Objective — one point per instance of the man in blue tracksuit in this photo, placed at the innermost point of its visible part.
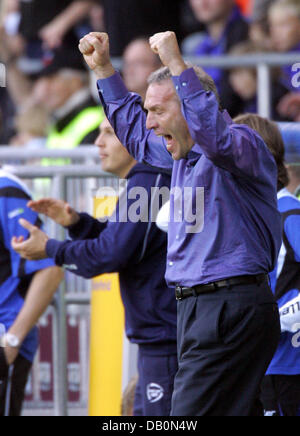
(135, 249)
(26, 289)
(281, 387)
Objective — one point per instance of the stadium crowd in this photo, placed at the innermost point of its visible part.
(48, 84)
(51, 101)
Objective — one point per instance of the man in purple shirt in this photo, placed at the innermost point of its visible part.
(224, 231)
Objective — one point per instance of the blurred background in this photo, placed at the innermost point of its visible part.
(50, 116)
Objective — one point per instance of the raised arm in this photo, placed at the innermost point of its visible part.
(237, 149)
(123, 109)
(43, 275)
(53, 33)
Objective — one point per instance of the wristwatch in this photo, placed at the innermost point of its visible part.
(9, 340)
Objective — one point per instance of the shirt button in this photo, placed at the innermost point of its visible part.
(184, 84)
(177, 237)
(171, 263)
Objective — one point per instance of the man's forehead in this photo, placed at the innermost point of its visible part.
(105, 125)
(159, 93)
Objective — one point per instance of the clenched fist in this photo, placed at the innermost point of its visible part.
(165, 44)
(95, 49)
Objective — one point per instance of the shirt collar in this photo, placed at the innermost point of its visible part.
(284, 193)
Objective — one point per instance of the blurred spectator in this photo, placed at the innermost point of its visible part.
(7, 113)
(190, 24)
(139, 63)
(284, 21)
(30, 30)
(51, 21)
(126, 20)
(31, 126)
(63, 90)
(259, 28)
(244, 82)
(225, 27)
(35, 27)
(289, 106)
(96, 16)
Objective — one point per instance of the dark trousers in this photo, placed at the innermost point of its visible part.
(281, 395)
(226, 341)
(16, 385)
(155, 385)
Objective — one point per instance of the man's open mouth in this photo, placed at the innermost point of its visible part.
(168, 138)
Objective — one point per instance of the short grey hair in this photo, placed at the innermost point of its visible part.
(205, 79)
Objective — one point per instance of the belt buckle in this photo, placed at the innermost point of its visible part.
(179, 293)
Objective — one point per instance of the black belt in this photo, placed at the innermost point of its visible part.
(183, 292)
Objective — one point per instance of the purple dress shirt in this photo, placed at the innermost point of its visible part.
(224, 220)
